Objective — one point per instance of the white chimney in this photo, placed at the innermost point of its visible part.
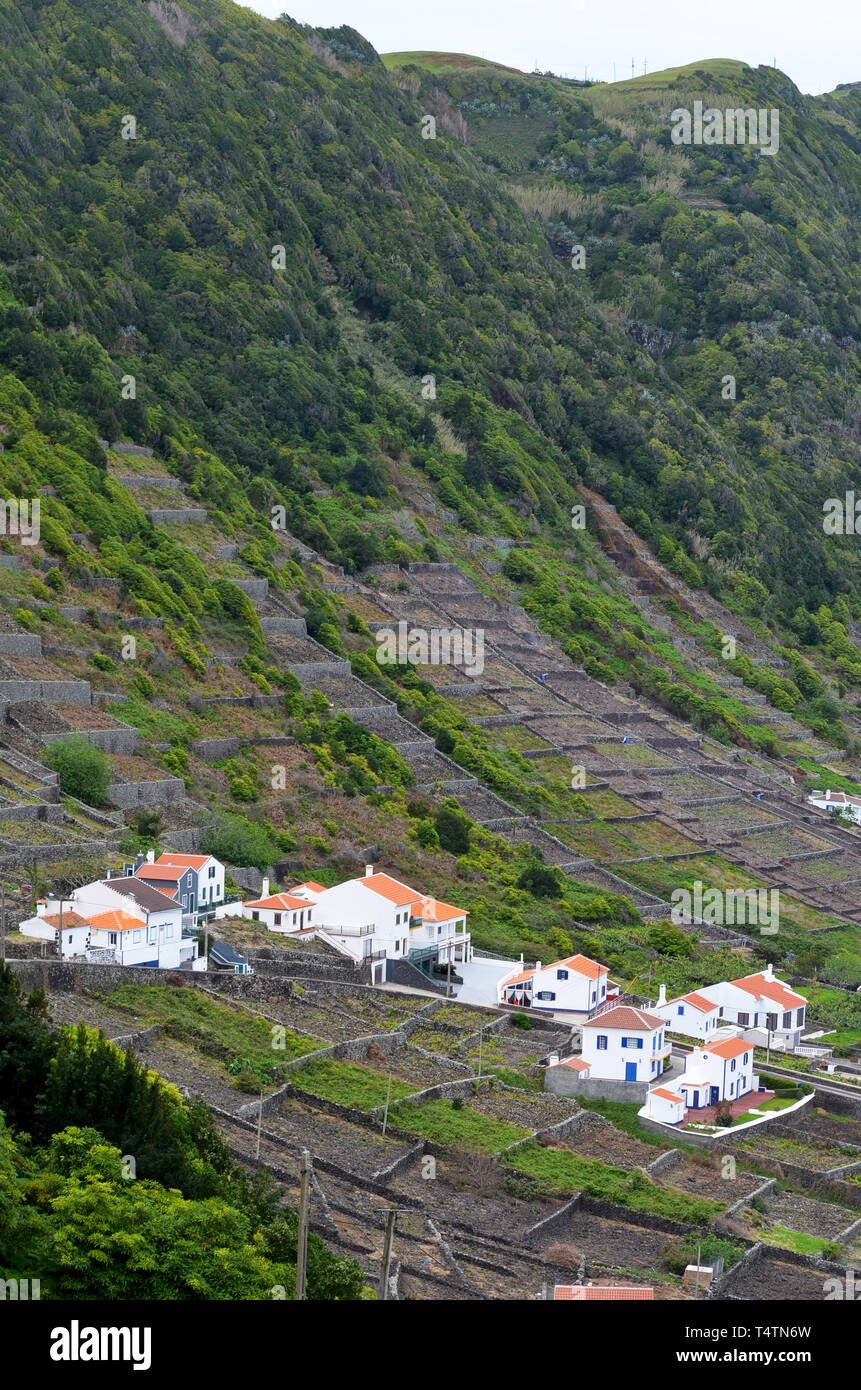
(264, 888)
(41, 907)
(538, 965)
(662, 996)
(369, 870)
(768, 972)
(150, 856)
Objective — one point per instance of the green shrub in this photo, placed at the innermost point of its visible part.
(84, 771)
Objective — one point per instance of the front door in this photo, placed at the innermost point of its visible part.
(630, 1071)
(714, 1096)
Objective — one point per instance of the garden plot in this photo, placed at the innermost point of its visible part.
(411, 1066)
(632, 755)
(829, 869)
(812, 1124)
(472, 1190)
(553, 852)
(462, 1016)
(375, 1011)
(687, 786)
(736, 815)
(787, 841)
(770, 1278)
(354, 1147)
(83, 1008)
(617, 1245)
(793, 1212)
(344, 692)
(458, 1125)
(477, 706)
(502, 1050)
(704, 1180)
(296, 650)
(194, 1073)
(349, 1083)
(389, 725)
(430, 1039)
(518, 737)
(528, 700)
(534, 1111)
(325, 1023)
(610, 1145)
(431, 766)
(817, 1156)
(482, 806)
(606, 804)
(569, 730)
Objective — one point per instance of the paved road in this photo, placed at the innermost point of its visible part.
(480, 978)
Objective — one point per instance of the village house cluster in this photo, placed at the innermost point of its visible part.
(623, 1044)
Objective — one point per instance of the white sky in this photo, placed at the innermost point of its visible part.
(818, 45)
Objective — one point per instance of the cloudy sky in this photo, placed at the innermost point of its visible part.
(818, 45)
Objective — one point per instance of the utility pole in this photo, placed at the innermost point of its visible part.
(388, 1098)
(480, 1041)
(3, 922)
(697, 1280)
(448, 978)
(302, 1234)
(259, 1122)
(391, 1216)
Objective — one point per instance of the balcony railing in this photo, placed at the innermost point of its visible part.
(343, 930)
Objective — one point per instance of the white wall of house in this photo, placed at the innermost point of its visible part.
(73, 939)
(681, 1016)
(664, 1110)
(739, 1006)
(624, 1054)
(709, 1077)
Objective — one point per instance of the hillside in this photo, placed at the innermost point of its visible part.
(232, 319)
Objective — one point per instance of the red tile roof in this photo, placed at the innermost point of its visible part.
(432, 910)
(775, 990)
(699, 1001)
(666, 1095)
(158, 872)
(623, 1016)
(116, 921)
(68, 919)
(577, 1063)
(187, 861)
(280, 902)
(730, 1047)
(581, 965)
(390, 888)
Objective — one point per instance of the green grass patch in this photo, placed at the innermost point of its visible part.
(464, 1128)
(349, 1083)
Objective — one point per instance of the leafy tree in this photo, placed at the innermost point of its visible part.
(84, 770)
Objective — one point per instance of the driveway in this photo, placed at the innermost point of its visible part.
(480, 977)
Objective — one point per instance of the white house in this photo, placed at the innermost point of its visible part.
(760, 1001)
(195, 880)
(280, 912)
(375, 917)
(691, 1014)
(66, 930)
(664, 1105)
(155, 915)
(720, 1070)
(837, 802)
(625, 1044)
(576, 985)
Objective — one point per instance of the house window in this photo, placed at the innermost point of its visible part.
(771, 1021)
(603, 990)
(277, 919)
(602, 1042)
(592, 997)
(680, 1009)
(744, 1020)
(562, 974)
(211, 873)
(799, 1018)
(112, 938)
(545, 994)
(255, 916)
(787, 1020)
(632, 1042)
(169, 933)
(137, 937)
(732, 1065)
(745, 1058)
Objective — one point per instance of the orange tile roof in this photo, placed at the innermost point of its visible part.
(518, 979)
(188, 861)
(280, 902)
(623, 1016)
(390, 888)
(577, 1063)
(666, 1095)
(699, 1001)
(68, 919)
(169, 872)
(315, 887)
(730, 1047)
(432, 910)
(581, 965)
(775, 990)
(116, 921)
